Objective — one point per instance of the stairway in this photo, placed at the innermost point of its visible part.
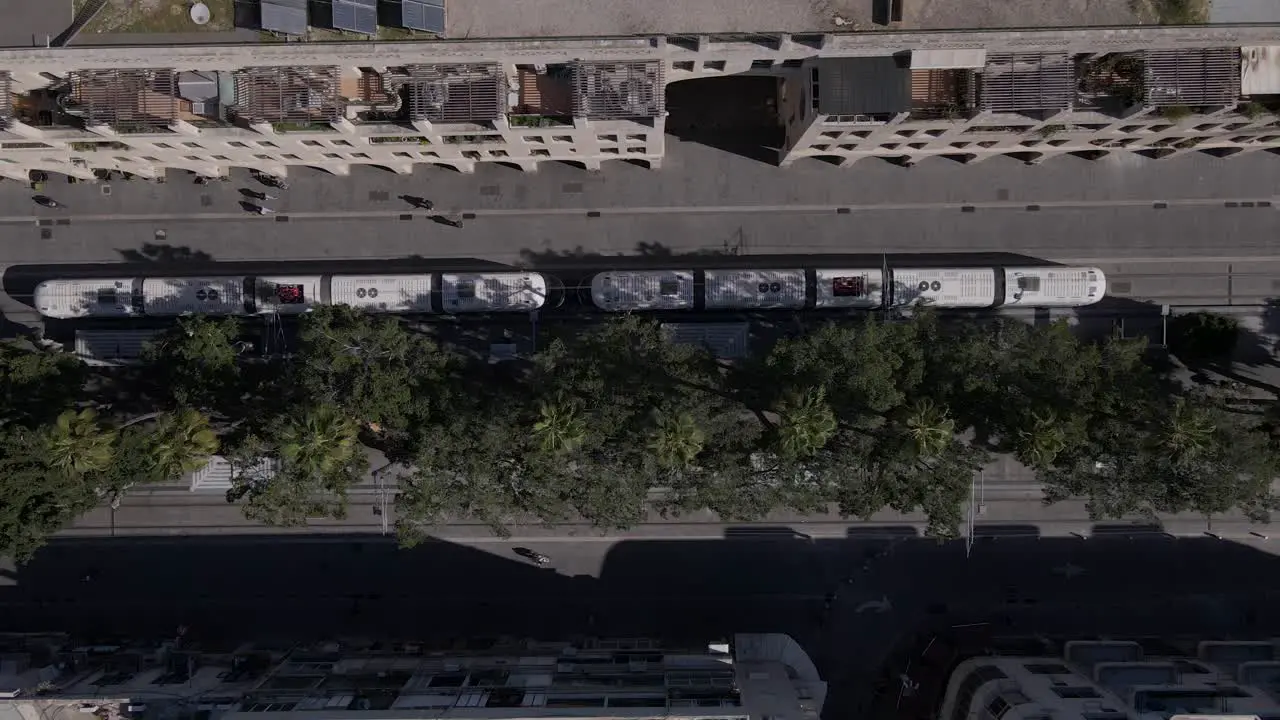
(82, 18)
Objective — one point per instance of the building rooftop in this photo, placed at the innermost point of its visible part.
(566, 18)
(1119, 680)
(862, 86)
(496, 679)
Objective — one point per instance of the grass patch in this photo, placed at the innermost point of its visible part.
(159, 16)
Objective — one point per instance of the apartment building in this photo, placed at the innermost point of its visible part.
(969, 105)
(1119, 680)
(144, 121)
(841, 96)
(756, 677)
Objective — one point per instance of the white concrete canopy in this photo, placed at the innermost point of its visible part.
(948, 59)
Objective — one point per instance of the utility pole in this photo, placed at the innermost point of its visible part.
(384, 497)
(886, 287)
(972, 520)
(1165, 311)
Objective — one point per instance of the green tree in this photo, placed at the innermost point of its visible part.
(474, 472)
(865, 371)
(196, 364)
(559, 428)
(1040, 445)
(78, 443)
(302, 471)
(1187, 453)
(890, 470)
(676, 440)
(1188, 431)
(181, 442)
(318, 441)
(37, 500)
(1203, 336)
(373, 367)
(929, 428)
(36, 385)
(806, 424)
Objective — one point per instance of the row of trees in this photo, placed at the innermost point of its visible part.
(610, 423)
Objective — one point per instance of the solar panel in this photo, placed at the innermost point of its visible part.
(356, 15)
(285, 16)
(425, 15)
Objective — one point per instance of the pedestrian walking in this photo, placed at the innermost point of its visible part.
(418, 202)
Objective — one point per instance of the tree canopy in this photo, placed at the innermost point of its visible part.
(611, 423)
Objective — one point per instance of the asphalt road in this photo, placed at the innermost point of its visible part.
(883, 589)
(554, 238)
(703, 201)
(1192, 230)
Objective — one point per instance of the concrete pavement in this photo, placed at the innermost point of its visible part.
(1007, 505)
(565, 239)
(695, 175)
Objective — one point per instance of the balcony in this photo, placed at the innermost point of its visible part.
(618, 91)
(1034, 84)
(1201, 78)
(6, 101)
(127, 101)
(1112, 84)
(543, 99)
(292, 99)
(473, 93)
(942, 94)
(373, 98)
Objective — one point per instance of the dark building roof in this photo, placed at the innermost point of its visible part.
(862, 86)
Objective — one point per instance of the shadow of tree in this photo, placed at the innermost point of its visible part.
(159, 253)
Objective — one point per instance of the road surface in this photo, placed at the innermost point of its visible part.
(1193, 230)
(1006, 505)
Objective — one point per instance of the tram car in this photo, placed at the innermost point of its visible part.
(490, 292)
(865, 288)
(613, 291)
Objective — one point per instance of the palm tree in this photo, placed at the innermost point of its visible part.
(181, 442)
(559, 429)
(930, 428)
(676, 440)
(1044, 441)
(806, 424)
(319, 441)
(78, 444)
(1188, 431)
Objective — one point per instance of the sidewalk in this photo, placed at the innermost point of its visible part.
(139, 517)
